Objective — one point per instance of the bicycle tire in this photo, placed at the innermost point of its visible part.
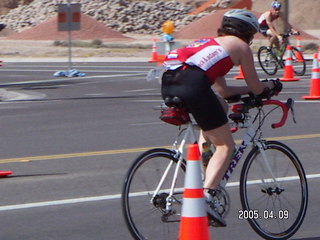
(284, 208)
(298, 62)
(267, 60)
(144, 218)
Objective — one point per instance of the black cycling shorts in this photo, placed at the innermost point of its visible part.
(193, 87)
(263, 29)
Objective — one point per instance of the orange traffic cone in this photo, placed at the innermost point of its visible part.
(240, 75)
(161, 59)
(299, 47)
(5, 173)
(315, 80)
(298, 56)
(319, 60)
(154, 53)
(288, 68)
(194, 220)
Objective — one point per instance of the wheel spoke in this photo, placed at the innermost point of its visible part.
(149, 217)
(281, 199)
(267, 61)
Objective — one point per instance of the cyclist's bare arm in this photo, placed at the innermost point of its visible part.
(240, 54)
(225, 91)
(270, 25)
(245, 59)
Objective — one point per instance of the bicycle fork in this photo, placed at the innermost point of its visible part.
(265, 169)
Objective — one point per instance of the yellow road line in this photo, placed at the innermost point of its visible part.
(73, 155)
(128, 150)
(296, 137)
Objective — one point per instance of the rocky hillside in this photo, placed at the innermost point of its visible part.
(7, 5)
(135, 16)
(122, 15)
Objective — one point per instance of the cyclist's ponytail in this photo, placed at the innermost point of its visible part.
(245, 36)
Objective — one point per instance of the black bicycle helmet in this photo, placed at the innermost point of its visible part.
(242, 20)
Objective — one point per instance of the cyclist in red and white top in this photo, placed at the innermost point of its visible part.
(267, 27)
(193, 70)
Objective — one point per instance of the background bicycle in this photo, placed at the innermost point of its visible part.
(270, 59)
(272, 183)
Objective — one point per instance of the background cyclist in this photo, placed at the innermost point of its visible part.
(192, 70)
(267, 27)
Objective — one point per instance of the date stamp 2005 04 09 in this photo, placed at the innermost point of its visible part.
(265, 214)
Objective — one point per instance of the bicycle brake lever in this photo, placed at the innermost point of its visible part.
(290, 104)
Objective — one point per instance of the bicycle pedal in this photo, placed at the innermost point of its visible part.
(213, 223)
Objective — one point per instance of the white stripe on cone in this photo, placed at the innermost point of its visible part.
(194, 207)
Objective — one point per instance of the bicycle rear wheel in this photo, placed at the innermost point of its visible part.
(146, 217)
(267, 60)
(275, 206)
(298, 62)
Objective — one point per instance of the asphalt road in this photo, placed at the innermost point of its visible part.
(70, 141)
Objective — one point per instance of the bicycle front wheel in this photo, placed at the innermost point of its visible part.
(267, 60)
(146, 213)
(298, 62)
(273, 191)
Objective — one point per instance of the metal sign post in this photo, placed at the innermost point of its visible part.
(69, 17)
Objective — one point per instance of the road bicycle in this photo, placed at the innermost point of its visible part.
(270, 59)
(273, 186)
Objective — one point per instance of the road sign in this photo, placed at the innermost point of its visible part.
(69, 17)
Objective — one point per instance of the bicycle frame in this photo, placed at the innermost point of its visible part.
(189, 134)
(283, 46)
(250, 137)
(247, 139)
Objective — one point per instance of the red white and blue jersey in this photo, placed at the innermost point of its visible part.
(204, 53)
